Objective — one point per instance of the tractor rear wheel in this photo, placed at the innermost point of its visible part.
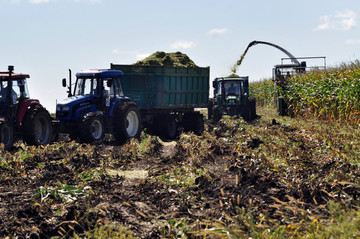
(36, 126)
(127, 122)
(93, 129)
(6, 135)
(210, 108)
(217, 113)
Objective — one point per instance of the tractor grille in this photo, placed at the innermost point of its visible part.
(62, 114)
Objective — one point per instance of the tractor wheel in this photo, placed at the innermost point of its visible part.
(210, 108)
(127, 122)
(93, 129)
(216, 113)
(36, 126)
(6, 135)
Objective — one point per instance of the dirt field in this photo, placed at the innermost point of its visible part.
(273, 176)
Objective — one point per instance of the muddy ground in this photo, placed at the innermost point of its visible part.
(212, 185)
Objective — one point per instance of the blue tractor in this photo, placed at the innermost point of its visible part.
(97, 106)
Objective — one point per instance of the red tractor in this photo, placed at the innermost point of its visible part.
(20, 116)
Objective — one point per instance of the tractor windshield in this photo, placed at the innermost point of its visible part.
(96, 86)
(232, 88)
(87, 86)
(18, 89)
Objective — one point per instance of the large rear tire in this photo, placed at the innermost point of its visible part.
(93, 129)
(36, 126)
(127, 122)
(217, 113)
(6, 135)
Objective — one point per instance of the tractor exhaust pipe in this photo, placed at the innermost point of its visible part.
(9, 86)
(69, 95)
(69, 87)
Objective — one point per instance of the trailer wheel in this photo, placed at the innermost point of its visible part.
(127, 122)
(92, 129)
(36, 126)
(170, 129)
(194, 122)
(6, 135)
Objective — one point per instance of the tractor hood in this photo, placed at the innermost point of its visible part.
(73, 100)
(73, 107)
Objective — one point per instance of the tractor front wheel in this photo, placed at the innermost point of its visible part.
(92, 129)
(6, 135)
(36, 126)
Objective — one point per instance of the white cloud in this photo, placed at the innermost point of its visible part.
(219, 31)
(183, 44)
(344, 20)
(353, 41)
(116, 51)
(138, 56)
(39, 1)
(47, 1)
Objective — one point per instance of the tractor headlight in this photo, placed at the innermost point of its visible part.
(62, 108)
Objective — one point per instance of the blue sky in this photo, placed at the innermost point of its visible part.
(45, 38)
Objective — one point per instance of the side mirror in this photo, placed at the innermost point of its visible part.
(64, 82)
(109, 82)
(214, 84)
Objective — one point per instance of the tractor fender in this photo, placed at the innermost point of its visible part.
(24, 106)
(116, 103)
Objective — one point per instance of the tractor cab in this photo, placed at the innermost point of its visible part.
(13, 91)
(231, 91)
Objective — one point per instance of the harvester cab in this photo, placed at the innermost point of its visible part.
(97, 106)
(20, 116)
(231, 97)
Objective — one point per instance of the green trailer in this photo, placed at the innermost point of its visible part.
(167, 96)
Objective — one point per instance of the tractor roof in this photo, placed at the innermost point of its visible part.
(232, 78)
(4, 75)
(99, 73)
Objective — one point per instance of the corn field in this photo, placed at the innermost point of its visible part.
(263, 91)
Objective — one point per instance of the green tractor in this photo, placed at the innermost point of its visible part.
(231, 97)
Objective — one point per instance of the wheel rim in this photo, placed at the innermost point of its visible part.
(132, 124)
(41, 130)
(96, 129)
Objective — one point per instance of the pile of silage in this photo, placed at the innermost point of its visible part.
(161, 58)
